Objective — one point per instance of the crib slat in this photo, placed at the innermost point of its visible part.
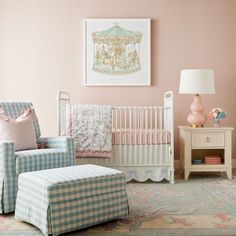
(146, 137)
(135, 133)
(155, 156)
(151, 136)
(141, 135)
(160, 135)
(130, 136)
(121, 151)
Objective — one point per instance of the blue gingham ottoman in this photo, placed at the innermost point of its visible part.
(70, 198)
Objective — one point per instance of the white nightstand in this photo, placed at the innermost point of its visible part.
(196, 143)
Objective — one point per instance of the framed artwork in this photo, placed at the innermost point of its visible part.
(117, 52)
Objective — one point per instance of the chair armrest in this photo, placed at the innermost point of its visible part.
(63, 142)
(7, 158)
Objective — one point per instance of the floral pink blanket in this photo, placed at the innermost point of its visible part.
(90, 126)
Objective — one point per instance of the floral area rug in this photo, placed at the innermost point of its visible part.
(201, 206)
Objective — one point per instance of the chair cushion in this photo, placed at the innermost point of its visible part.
(40, 159)
(20, 131)
(15, 109)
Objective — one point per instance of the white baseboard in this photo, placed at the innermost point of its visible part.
(177, 164)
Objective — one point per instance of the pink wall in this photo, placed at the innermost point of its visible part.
(41, 45)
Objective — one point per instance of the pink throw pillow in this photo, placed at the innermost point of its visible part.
(20, 131)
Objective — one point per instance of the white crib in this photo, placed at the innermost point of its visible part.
(142, 138)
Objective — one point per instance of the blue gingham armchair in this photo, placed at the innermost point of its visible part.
(57, 152)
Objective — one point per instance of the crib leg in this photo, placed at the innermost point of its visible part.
(172, 176)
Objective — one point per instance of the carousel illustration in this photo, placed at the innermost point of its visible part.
(116, 51)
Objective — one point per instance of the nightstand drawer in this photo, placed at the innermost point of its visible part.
(208, 139)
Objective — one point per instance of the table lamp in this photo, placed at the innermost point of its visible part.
(197, 82)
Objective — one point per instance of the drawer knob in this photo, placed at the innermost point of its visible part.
(208, 139)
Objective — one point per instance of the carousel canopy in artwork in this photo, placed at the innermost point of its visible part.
(116, 51)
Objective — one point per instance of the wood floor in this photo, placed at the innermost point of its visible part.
(179, 174)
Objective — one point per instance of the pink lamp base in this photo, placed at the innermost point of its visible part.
(197, 118)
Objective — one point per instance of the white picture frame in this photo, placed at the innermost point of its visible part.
(117, 52)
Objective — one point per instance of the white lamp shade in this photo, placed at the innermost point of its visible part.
(197, 82)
